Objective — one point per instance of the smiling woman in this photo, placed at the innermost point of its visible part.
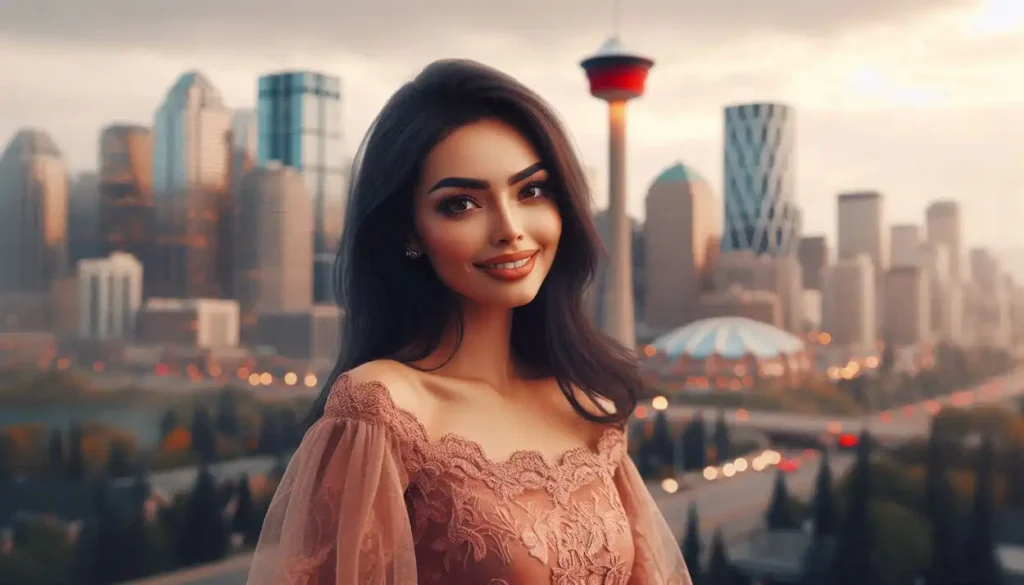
(472, 429)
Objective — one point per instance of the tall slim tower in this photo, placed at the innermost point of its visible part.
(617, 76)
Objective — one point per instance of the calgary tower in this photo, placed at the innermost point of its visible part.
(617, 76)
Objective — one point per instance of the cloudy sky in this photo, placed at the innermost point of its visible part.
(920, 99)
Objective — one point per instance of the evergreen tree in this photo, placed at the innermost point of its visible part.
(55, 452)
(661, 440)
(824, 500)
(852, 564)
(168, 422)
(719, 570)
(939, 505)
(6, 458)
(271, 439)
(291, 428)
(205, 535)
(691, 545)
(103, 547)
(1015, 478)
(227, 414)
(204, 439)
(721, 440)
(76, 460)
(779, 515)
(695, 453)
(245, 521)
(137, 546)
(118, 459)
(981, 563)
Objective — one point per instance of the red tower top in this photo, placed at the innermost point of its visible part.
(616, 74)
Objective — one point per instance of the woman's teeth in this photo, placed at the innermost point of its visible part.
(510, 265)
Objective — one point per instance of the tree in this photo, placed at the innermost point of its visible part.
(76, 460)
(204, 439)
(723, 445)
(939, 506)
(6, 458)
(661, 440)
(719, 570)
(100, 551)
(118, 459)
(824, 500)
(981, 563)
(695, 454)
(246, 521)
(227, 414)
(137, 546)
(55, 452)
(779, 515)
(271, 439)
(852, 564)
(168, 422)
(1015, 478)
(691, 545)
(205, 535)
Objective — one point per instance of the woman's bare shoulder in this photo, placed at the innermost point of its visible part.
(399, 382)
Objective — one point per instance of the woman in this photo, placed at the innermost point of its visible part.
(472, 430)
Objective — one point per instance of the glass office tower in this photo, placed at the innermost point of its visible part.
(300, 126)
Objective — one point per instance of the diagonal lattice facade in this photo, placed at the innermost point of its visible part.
(760, 209)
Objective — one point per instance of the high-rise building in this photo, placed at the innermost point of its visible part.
(206, 323)
(191, 152)
(907, 306)
(109, 296)
(760, 176)
(943, 226)
(682, 235)
(848, 312)
(904, 245)
(814, 256)
(127, 217)
(33, 214)
(273, 257)
(83, 217)
(944, 295)
(300, 126)
(861, 230)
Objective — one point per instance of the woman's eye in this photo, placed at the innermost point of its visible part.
(534, 191)
(457, 205)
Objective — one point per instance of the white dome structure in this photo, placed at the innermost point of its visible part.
(726, 353)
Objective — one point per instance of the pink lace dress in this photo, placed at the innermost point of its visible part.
(369, 499)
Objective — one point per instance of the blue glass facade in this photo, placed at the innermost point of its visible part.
(300, 125)
(760, 209)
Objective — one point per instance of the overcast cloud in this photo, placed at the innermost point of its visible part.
(921, 99)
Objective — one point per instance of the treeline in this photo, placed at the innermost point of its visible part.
(661, 451)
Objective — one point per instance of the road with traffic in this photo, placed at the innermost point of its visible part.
(905, 422)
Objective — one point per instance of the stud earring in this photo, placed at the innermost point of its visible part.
(411, 254)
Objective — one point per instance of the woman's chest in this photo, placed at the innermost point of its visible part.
(508, 524)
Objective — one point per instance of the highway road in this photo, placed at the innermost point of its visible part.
(900, 423)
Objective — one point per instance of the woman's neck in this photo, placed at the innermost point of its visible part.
(484, 352)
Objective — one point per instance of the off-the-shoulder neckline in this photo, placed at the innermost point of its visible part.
(608, 439)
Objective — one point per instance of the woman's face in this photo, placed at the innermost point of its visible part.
(484, 215)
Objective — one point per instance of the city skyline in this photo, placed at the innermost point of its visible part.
(922, 127)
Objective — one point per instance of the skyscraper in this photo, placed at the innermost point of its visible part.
(760, 208)
(861, 218)
(813, 254)
(127, 218)
(682, 235)
(33, 214)
(300, 126)
(943, 227)
(191, 151)
(905, 245)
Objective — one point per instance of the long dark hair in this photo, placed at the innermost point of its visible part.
(390, 302)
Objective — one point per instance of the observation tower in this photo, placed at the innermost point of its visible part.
(617, 76)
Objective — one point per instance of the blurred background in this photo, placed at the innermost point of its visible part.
(820, 217)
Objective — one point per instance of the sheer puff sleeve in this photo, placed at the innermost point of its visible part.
(657, 559)
(339, 516)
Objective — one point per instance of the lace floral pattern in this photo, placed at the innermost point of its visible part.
(518, 521)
